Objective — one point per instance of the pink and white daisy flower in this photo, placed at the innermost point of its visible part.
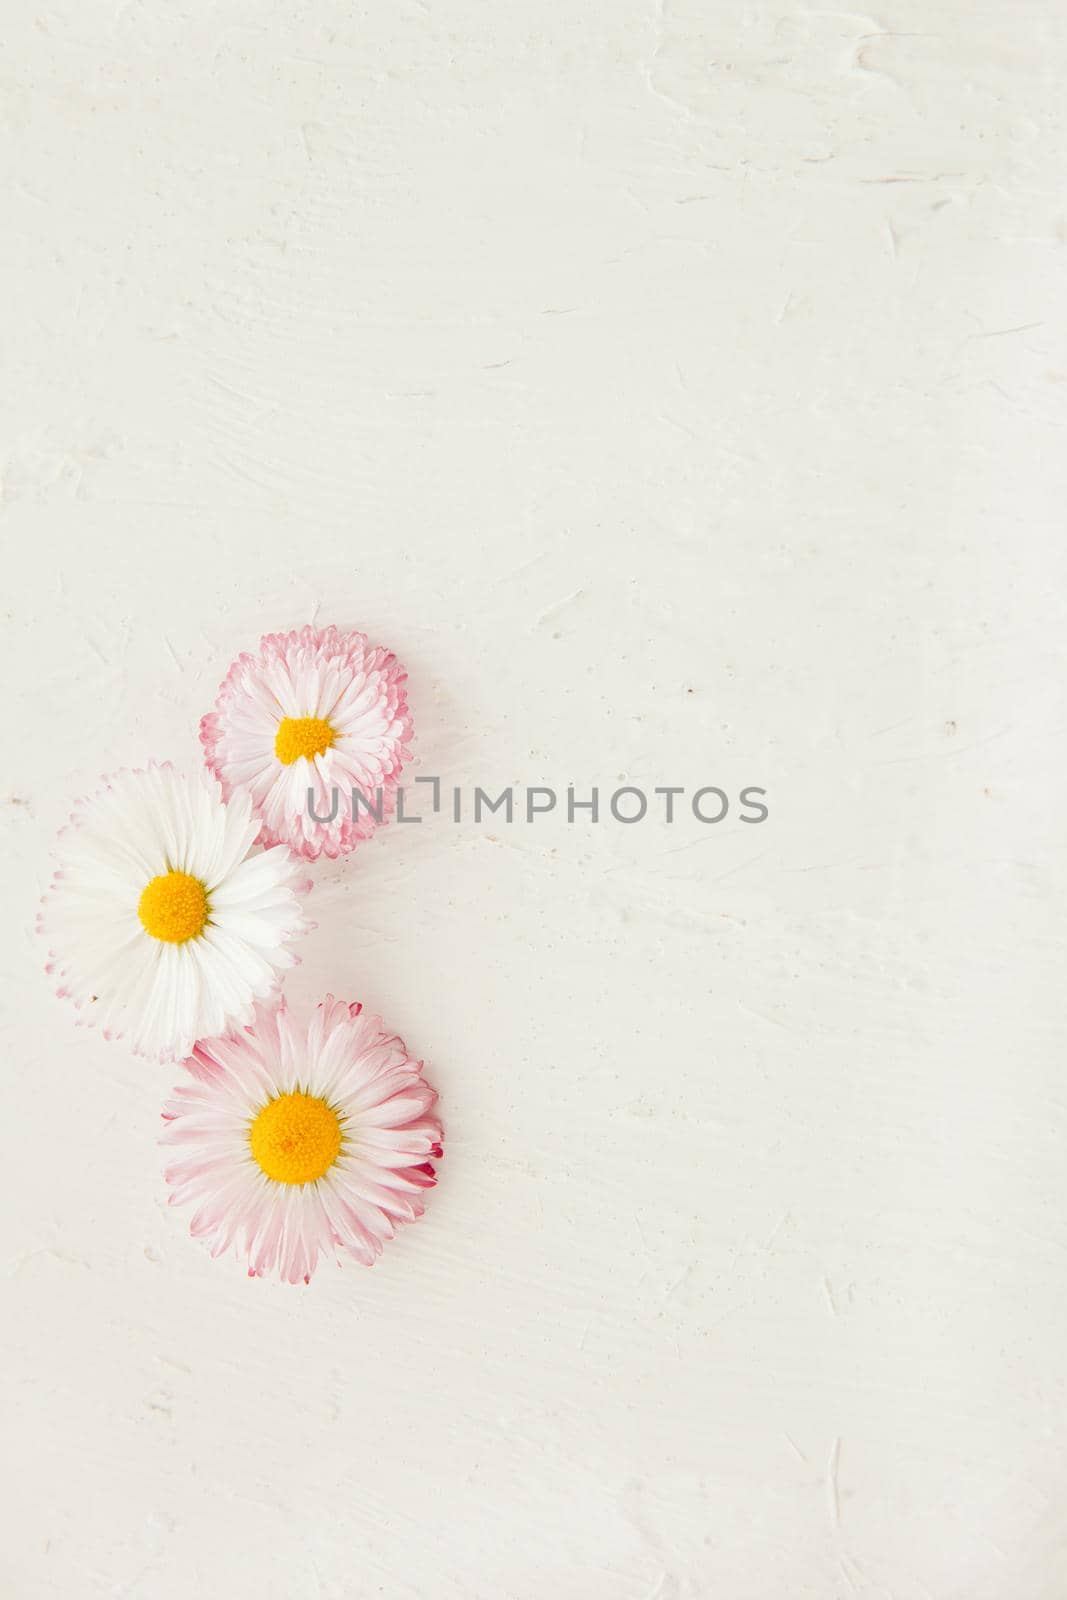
(315, 710)
(161, 924)
(300, 1142)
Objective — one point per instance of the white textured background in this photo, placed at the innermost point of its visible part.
(679, 389)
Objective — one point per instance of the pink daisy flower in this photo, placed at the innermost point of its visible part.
(295, 1143)
(314, 710)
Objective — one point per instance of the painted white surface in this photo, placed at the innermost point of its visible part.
(679, 389)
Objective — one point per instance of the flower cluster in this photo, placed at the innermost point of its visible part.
(170, 919)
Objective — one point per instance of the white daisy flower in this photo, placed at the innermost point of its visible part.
(162, 927)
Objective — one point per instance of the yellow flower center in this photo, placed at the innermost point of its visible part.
(173, 907)
(296, 1138)
(302, 736)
